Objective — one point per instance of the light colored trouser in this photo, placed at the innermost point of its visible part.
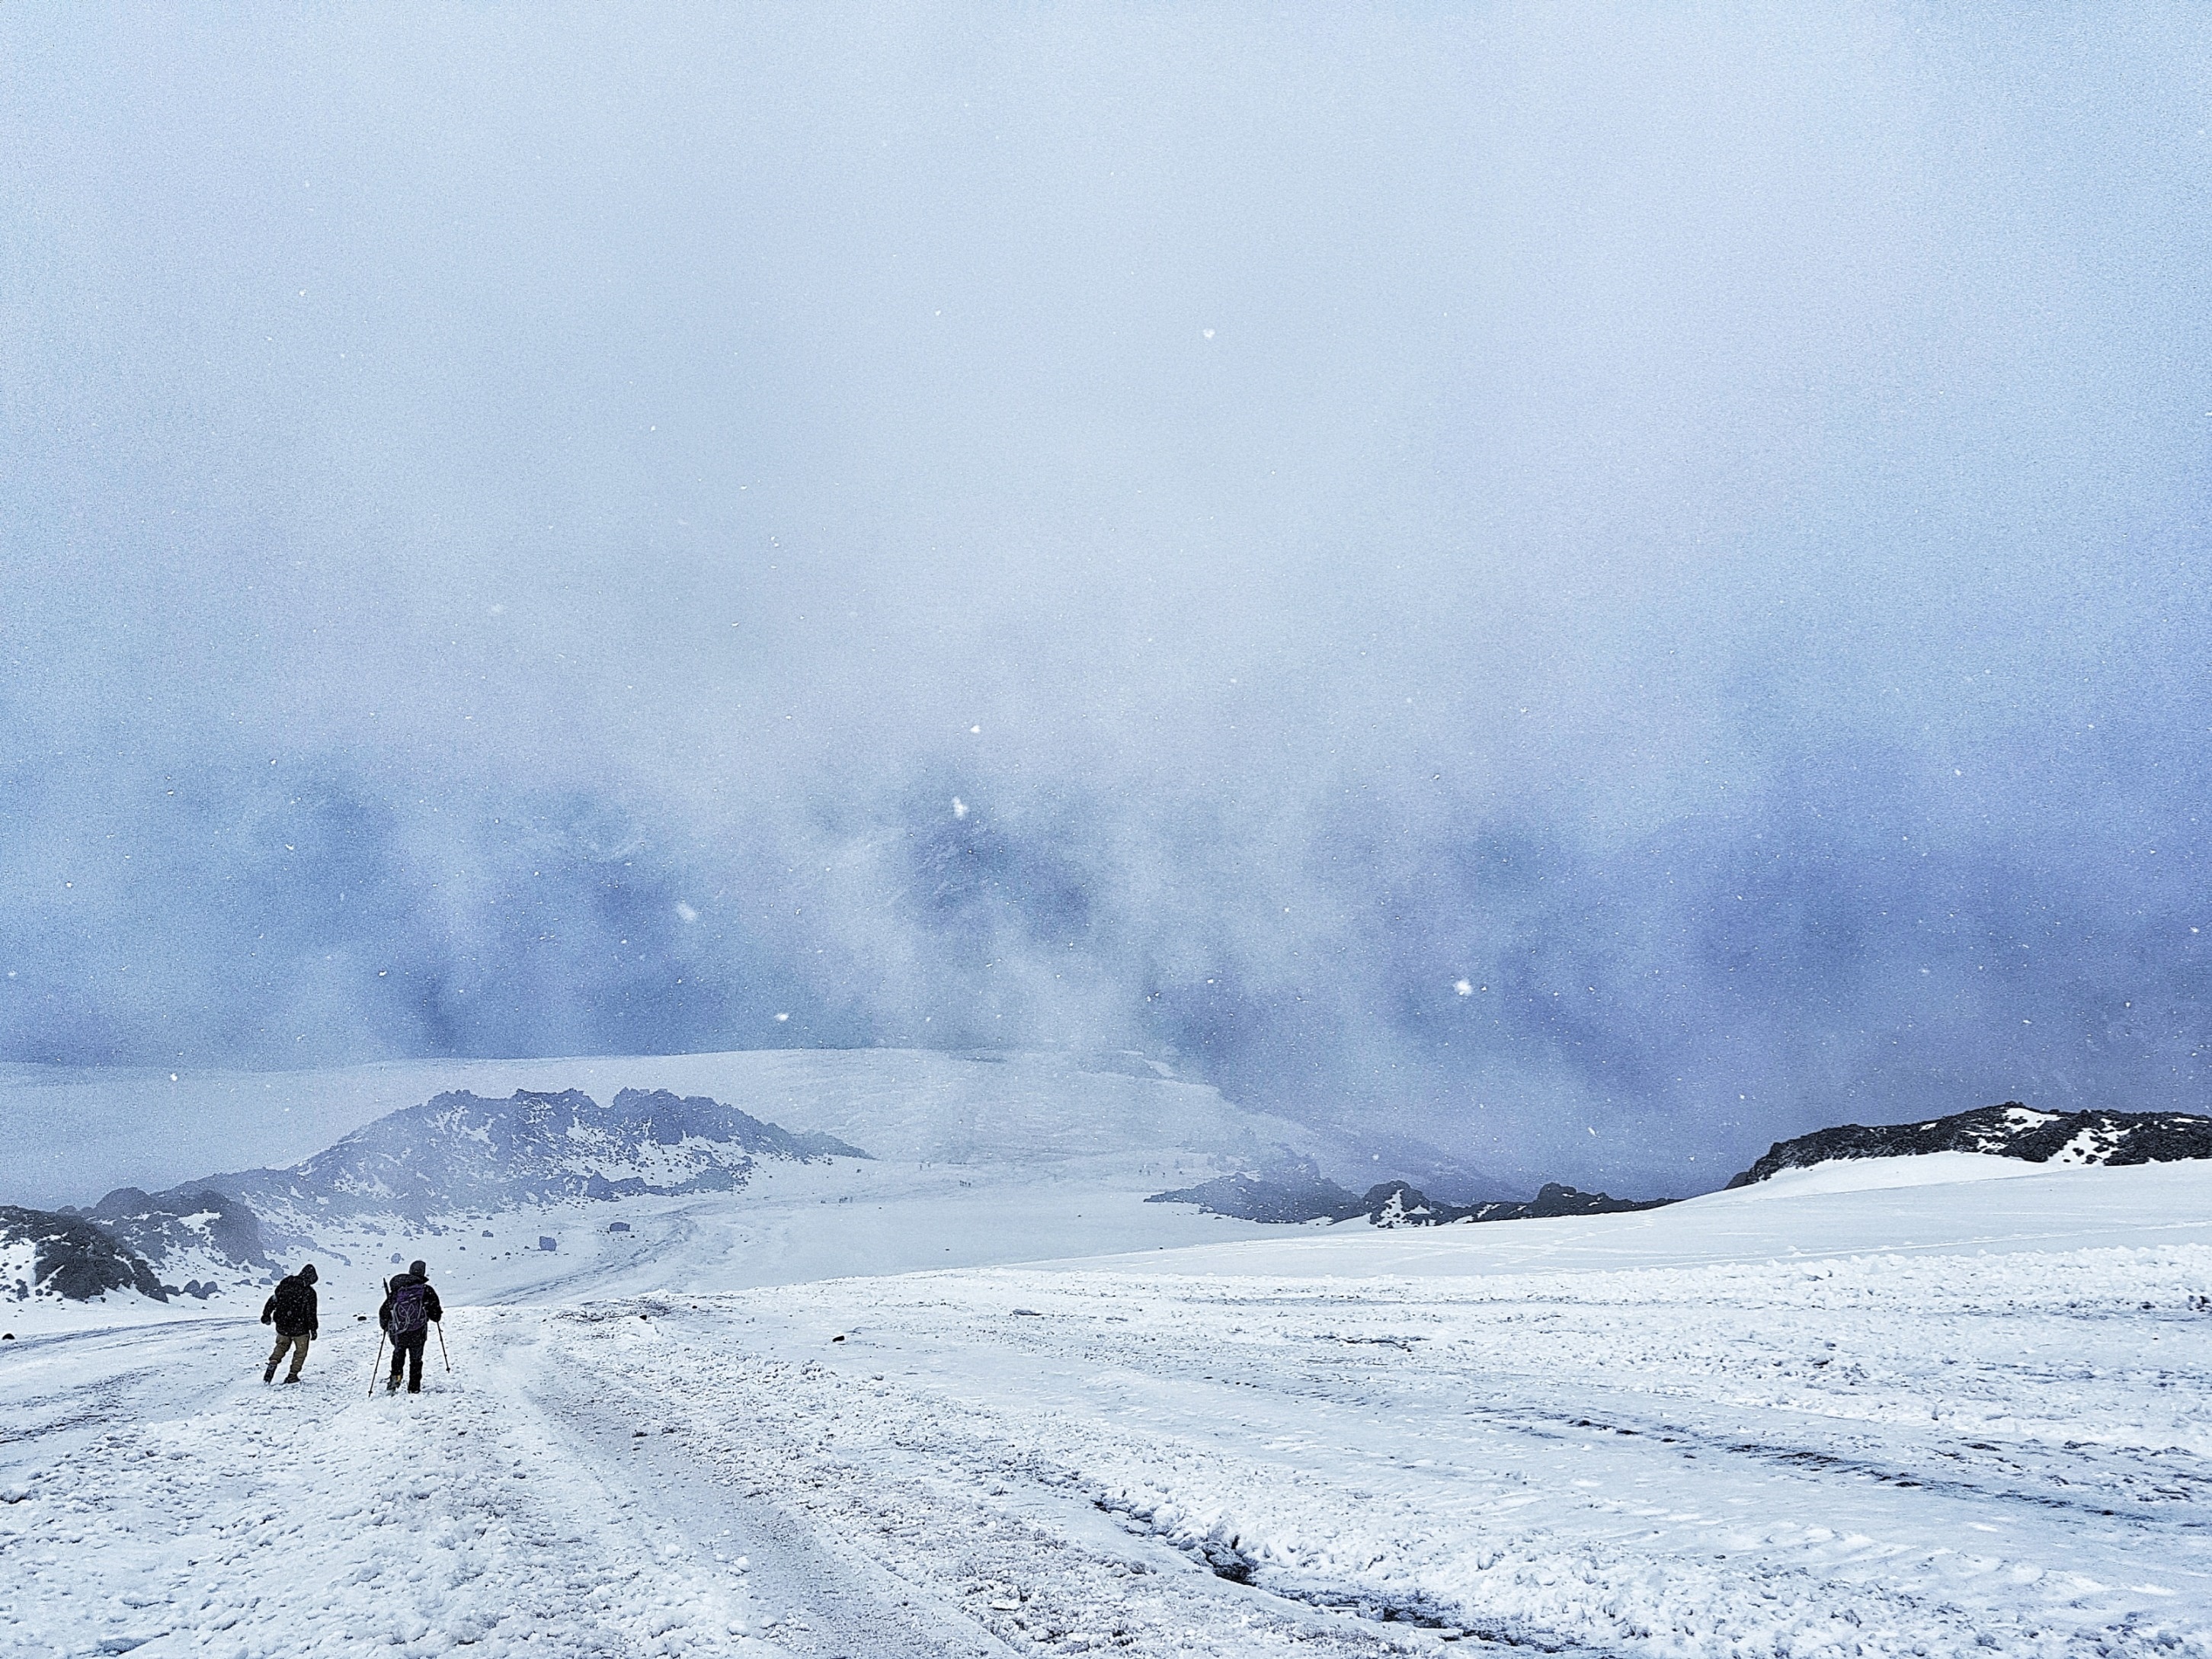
(298, 1344)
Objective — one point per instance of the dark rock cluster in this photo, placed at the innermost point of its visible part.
(73, 1258)
(2010, 1130)
(1306, 1196)
(1293, 1192)
(157, 1225)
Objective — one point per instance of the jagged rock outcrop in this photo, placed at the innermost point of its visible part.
(2010, 1130)
(44, 1253)
(192, 1225)
(1387, 1204)
(1395, 1204)
(1293, 1193)
(1554, 1199)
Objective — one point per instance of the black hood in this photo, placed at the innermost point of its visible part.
(307, 1275)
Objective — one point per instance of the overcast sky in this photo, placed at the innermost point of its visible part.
(1596, 584)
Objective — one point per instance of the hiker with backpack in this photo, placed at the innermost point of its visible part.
(291, 1310)
(410, 1306)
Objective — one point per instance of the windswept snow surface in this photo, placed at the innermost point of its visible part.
(1941, 1419)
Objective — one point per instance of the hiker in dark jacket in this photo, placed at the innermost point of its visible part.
(409, 1305)
(291, 1310)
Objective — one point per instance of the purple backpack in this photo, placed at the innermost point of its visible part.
(407, 1309)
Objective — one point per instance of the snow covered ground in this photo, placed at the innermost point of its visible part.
(1857, 1413)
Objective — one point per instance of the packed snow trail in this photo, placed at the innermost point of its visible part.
(201, 1512)
(160, 1499)
(957, 1542)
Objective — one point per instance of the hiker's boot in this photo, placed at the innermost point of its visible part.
(269, 1376)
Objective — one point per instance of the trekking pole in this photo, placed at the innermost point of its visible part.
(376, 1365)
(440, 1326)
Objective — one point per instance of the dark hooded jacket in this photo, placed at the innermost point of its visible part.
(291, 1307)
(430, 1309)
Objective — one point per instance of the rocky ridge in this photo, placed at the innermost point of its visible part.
(2010, 1130)
(457, 1152)
(1301, 1194)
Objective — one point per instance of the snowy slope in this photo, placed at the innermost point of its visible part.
(1887, 1207)
(75, 1134)
(1933, 1419)
(974, 1159)
(791, 1224)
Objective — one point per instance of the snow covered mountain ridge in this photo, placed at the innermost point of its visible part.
(457, 1152)
(2010, 1130)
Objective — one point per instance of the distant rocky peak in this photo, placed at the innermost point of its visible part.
(461, 1151)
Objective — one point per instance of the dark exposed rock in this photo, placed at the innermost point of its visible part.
(158, 1225)
(1387, 1204)
(1436, 1172)
(1295, 1192)
(2011, 1130)
(74, 1258)
(1554, 1199)
(1395, 1204)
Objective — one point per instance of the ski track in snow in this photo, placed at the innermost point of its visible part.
(220, 1516)
(1869, 1454)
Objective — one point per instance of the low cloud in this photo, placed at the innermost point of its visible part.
(1594, 589)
